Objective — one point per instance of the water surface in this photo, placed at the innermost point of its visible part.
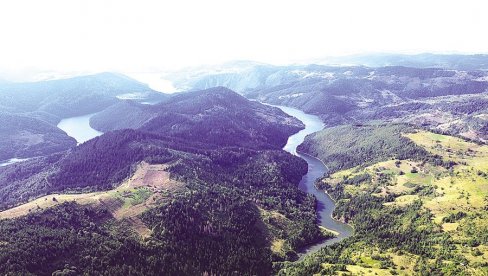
(79, 128)
(76, 127)
(316, 169)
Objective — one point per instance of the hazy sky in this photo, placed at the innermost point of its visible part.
(97, 35)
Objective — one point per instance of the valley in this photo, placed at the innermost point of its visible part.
(243, 138)
(450, 99)
(350, 170)
(316, 169)
(31, 111)
(218, 185)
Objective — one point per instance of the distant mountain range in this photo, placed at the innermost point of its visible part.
(425, 60)
(73, 96)
(448, 99)
(442, 92)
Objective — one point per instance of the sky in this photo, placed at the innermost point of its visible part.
(152, 36)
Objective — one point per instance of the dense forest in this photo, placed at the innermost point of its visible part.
(221, 197)
(241, 197)
(216, 116)
(233, 125)
(227, 189)
(192, 235)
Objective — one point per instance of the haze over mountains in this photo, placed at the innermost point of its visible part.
(424, 60)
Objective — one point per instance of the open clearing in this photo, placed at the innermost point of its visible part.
(149, 186)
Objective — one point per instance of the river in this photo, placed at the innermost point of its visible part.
(316, 169)
(79, 128)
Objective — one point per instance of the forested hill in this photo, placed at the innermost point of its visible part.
(215, 116)
(23, 136)
(239, 211)
(362, 145)
(213, 119)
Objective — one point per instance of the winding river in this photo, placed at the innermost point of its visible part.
(316, 169)
(79, 128)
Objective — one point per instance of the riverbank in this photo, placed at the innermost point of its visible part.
(316, 169)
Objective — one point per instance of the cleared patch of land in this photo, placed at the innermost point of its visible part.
(149, 186)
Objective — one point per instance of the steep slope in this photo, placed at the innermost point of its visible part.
(221, 211)
(122, 115)
(192, 122)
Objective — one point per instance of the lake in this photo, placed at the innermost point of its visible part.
(79, 128)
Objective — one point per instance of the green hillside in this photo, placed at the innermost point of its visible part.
(410, 216)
